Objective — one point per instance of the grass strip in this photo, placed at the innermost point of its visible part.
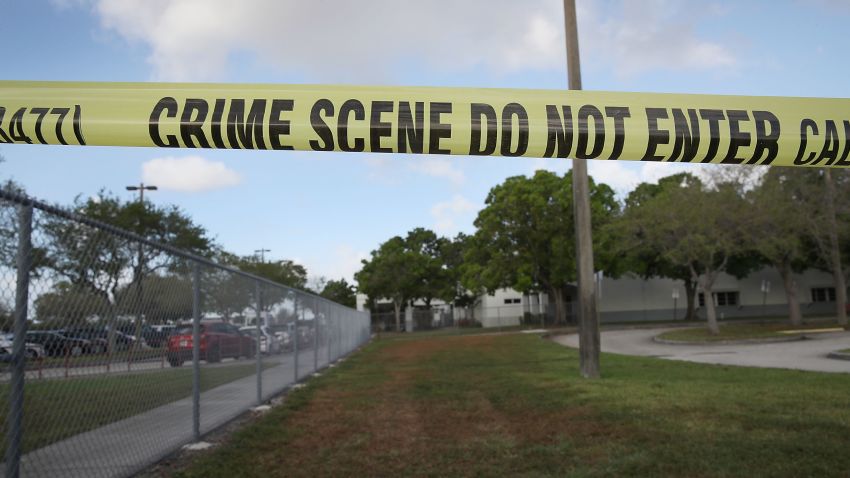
(514, 405)
(59, 408)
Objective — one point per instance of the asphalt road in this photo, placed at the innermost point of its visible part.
(810, 354)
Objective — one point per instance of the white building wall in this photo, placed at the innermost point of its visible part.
(630, 298)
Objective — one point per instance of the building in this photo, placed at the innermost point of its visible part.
(632, 299)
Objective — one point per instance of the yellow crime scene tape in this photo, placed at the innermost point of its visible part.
(467, 121)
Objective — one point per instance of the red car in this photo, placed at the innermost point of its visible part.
(218, 340)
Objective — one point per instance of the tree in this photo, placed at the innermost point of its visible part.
(697, 227)
(284, 272)
(525, 235)
(69, 305)
(97, 262)
(776, 228)
(341, 292)
(166, 298)
(387, 275)
(427, 268)
(637, 252)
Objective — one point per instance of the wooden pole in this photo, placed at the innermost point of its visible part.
(587, 314)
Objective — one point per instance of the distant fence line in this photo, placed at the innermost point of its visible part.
(106, 369)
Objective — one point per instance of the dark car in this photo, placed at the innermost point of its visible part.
(57, 345)
(156, 336)
(99, 339)
(218, 340)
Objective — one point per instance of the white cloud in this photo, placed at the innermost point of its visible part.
(624, 176)
(438, 168)
(636, 37)
(342, 263)
(188, 174)
(348, 41)
(448, 214)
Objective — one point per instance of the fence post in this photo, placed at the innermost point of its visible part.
(339, 340)
(316, 335)
(329, 336)
(259, 353)
(295, 343)
(15, 422)
(196, 351)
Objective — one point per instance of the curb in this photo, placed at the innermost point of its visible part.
(838, 355)
(766, 340)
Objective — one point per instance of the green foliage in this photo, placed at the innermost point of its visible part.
(161, 298)
(525, 235)
(418, 266)
(96, 261)
(341, 292)
(387, 273)
(284, 271)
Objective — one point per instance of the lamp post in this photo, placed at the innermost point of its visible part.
(765, 288)
(141, 188)
(262, 253)
(675, 302)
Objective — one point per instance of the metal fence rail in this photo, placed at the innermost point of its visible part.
(117, 350)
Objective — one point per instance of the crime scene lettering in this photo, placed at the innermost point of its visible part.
(560, 131)
(825, 147)
(246, 125)
(378, 121)
(753, 136)
(22, 124)
(495, 126)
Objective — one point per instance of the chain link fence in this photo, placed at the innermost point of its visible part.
(117, 350)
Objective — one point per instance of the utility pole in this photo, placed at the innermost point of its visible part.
(587, 316)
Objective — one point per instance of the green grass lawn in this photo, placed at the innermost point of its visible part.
(58, 408)
(513, 405)
(743, 332)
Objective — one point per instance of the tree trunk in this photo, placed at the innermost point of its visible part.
(397, 307)
(691, 293)
(790, 293)
(835, 252)
(560, 309)
(711, 312)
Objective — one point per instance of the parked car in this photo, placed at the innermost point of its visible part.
(269, 342)
(305, 337)
(33, 350)
(57, 345)
(99, 338)
(218, 340)
(284, 336)
(156, 335)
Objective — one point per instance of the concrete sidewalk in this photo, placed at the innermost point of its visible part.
(810, 354)
(128, 446)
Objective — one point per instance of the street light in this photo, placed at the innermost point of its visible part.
(141, 188)
(675, 301)
(765, 289)
(262, 253)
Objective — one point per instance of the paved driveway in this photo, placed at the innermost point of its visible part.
(800, 355)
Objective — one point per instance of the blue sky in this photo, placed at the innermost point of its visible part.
(329, 210)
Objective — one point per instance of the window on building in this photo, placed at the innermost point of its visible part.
(725, 298)
(823, 294)
(513, 301)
